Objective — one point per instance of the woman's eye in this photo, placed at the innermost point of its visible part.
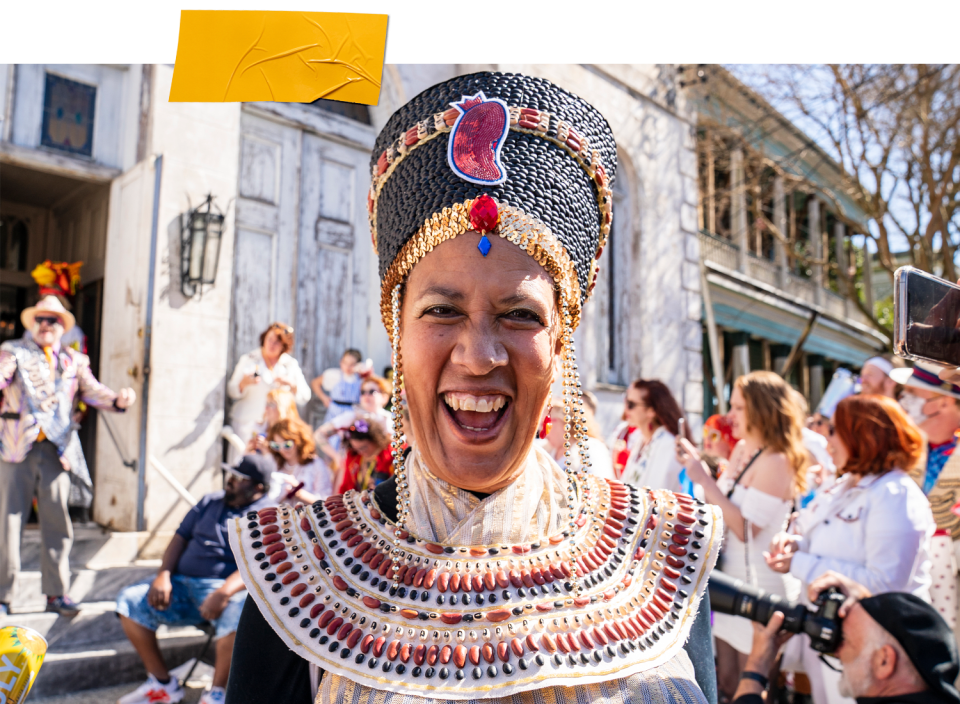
(524, 315)
(440, 311)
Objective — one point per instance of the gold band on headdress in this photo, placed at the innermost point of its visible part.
(515, 226)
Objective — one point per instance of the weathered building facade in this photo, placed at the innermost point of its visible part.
(111, 177)
(781, 245)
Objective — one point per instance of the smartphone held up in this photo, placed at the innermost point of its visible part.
(926, 317)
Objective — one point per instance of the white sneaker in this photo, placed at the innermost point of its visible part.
(152, 692)
(214, 695)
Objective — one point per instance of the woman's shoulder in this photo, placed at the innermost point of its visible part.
(896, 483)
(288, 360)
(773, 475)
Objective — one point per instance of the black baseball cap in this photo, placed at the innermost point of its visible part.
(924, 636)
(256, 467)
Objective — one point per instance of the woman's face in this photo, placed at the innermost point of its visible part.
(479, 340)
(364, 448)
(348, 364)
(287, 449)
(272, 344)
(637, 413)
(838, 451)
(715, 444)
(738, 414)
(372, 399)
(555, 436)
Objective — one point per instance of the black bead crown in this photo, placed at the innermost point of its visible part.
(546, 179)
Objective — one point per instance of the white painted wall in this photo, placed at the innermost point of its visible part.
(199, 143)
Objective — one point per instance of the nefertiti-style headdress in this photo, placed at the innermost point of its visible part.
(545, 157)
(521, 161)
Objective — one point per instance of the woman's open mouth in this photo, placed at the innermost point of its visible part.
(476, 417)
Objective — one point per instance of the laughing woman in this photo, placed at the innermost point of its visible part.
(481, 570)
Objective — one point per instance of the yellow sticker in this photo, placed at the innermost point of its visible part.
(239, 56)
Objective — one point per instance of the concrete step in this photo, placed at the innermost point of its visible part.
(93, 547)
(85, 584)
(91, 650)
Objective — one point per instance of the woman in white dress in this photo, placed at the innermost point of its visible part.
(767, 470)
(257, 372)
(656, 413)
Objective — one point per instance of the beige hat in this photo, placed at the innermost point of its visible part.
(48, 304)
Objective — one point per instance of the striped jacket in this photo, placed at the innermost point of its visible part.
(35, 400)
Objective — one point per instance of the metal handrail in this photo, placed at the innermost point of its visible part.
(172, 481)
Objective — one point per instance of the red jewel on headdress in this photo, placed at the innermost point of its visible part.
(484, 218)
(484, 214)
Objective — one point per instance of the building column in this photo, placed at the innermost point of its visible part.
(740, 352)
(780, 221)
(815, 365)
(839, 237)
(816, 246)
(867, 276)
(738, 208)
(780, 354)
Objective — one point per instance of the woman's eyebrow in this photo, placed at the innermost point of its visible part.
(442, 291)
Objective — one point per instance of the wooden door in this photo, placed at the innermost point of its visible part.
(334, 280)
(266, 240)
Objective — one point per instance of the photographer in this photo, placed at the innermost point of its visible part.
(896, 649)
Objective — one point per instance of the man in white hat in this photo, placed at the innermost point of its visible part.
(39, 449)
(875, 376)
(934, 405)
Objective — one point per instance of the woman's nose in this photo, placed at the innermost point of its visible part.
(479, 350)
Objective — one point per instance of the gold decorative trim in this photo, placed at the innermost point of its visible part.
(515, 226)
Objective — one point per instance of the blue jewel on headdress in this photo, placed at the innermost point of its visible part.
(484, 245)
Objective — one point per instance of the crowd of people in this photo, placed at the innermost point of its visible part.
(862, 488)
(445, 538)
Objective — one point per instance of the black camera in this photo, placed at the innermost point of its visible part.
(822, 624)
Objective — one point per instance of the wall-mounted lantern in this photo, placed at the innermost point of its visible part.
(200, 247)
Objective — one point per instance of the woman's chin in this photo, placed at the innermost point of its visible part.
(480, 460)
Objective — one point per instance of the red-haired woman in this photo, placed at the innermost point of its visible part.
(874, 525)
(306, 477)
(651, 408)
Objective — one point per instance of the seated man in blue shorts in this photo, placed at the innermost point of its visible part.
(198, 581)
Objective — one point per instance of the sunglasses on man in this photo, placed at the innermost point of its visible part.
(285, 445)
(47, 320)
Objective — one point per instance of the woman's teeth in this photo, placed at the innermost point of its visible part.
(479, 404)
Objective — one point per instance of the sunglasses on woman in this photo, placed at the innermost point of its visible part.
(285, 445)
(821, 422)
(712, 434)
(369, 392)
